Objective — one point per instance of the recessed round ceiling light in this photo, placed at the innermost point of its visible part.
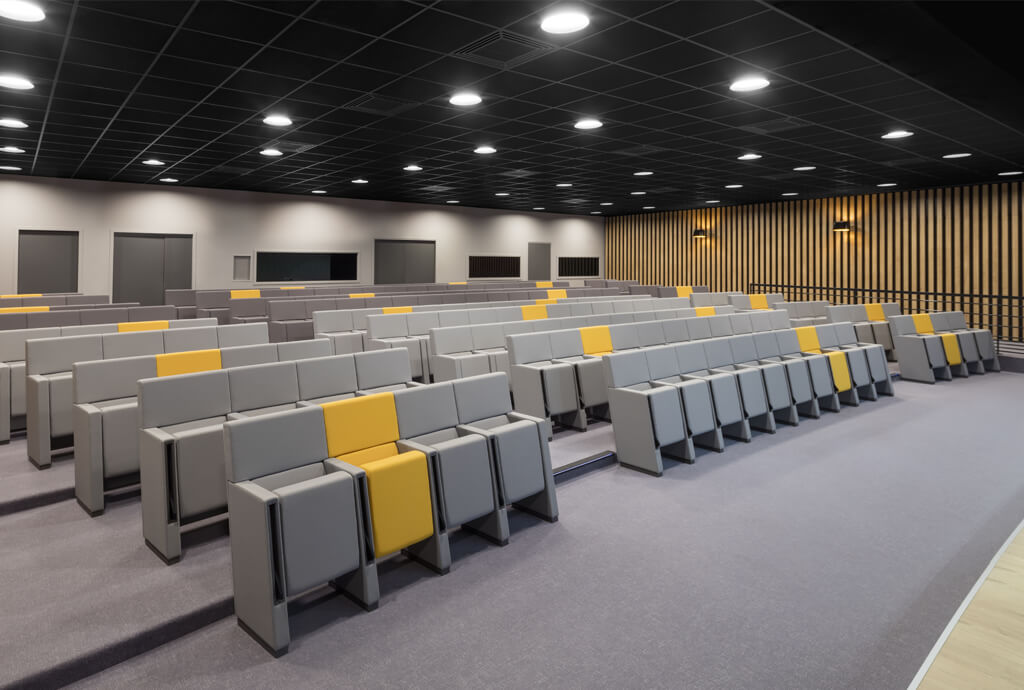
(637, 193)
(733, 186)
(957, 155)
(14, 81)
(538, 208)
(11, 168)
(790, 193)
(564, 21)
(606, 203)
(412, 168)
(897, 134)
(452, 201)
(485, 149)
(465, 98)
(12, 123)
(648, 208)
(588, 123)
(277, 120)
(501, 194)
(886, 184)
(168, 179)
(270, 152)
(318, 191)
(748, 157)
(595, 213)
(21, 11)
(805, 168)
(359, 180)
(564, 184)
(642, 173)
(752, 83)
(1011, 172)
(12, 149)
(713, 201)
(152, 161)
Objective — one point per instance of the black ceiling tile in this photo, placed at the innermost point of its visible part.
(559, 65)
(356, 78)
(694, 17)
(496, 14)
(221, 18)
(750, 32)
(105, 27)
(622, 41)
(110, 57)
(219, 51)
(455, 73)
(670, 58)
(393, 58)
(439, 31)
(372, 17)
(289, 64)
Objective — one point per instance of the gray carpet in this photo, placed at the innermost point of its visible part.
(23, 486)
(568, 446)
(827, 556)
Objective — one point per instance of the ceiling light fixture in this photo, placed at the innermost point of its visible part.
(538, 208)
(485, 149)
(790, 193)
(465, 98)
(841, 226)
(564, 21)
(270, 152)
(805, 168)
(957, 155)
(588, 123)
(637, 193)
(12, 149)
(21, 11)
(700, 234)
(14, 81)
(12, 123)
(606, 203)
(649, 208)
(153, 161)
(359, 180)
(712, 201)
(1010, 172)
(412, 168)
(168, 179)
(595, 213)
(752, 83)
(897, 134)
(277, 120)
(886, 184)
(11, 168)
(733, 186)
(501, 194)
(643, 173)
(748, 157)
(564, 184)
(452, 201)
(318, 191)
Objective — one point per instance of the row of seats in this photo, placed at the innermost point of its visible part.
(869, 320)
(321, 495)
(51, 300)
(83, 315)
(105, 411)
(806, 313)
(666, 399)
(557, 375)
(940, 345)
(49, 363)
(756, 301)
(12, 363)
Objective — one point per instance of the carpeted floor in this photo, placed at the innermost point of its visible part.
(826, 556)
(23, 486)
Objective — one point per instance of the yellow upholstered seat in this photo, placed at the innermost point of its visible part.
(244, 294)
(558, 293)
(174, 363)
(457, 282)
(22, 310)
(293, 287)
(759, 301)
(133, 326)
(396, 310)
(362, 294)
(807, 336)
(923, 324)
(27, 294)
(544, 283)
(951, 344)
(875, 312)
(684, 290)
(362, 432)
(545, 301)
(597, 340)
(840, 370)
(705, 311)
(532, 312)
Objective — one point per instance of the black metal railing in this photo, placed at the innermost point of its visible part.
(1002, 314)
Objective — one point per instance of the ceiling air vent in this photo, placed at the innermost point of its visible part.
(290, 146)
(379, 105)
(504, 50)
(783, 124)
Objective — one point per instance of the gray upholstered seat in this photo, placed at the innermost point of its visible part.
(326, 379)
(541, 386)
(382, 371)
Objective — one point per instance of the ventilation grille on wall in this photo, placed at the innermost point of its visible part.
(494, 267)
(504, 50)
(578, 266)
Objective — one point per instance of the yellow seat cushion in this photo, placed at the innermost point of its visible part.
(544, 283)
(532, 312)
(22, 310)
(457, 282)
(808, 339)
(840, 370)
(558, 293)
(244, 294)
(133, 326)
(362, 294)
(396, 310)
(293, 287)
(951, 344)
(705, 311)
(174, 363)
(545, 301)
(366, 455)
(759, 301)
(26, 294)
(597, 340)
(875, 312)
(684, 290)
(923, 324)
(400, 507)
(360, 423)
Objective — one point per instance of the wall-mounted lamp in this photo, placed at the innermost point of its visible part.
(700, 234)
(841, 226)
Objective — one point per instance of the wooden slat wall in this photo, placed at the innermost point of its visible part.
(954, 239)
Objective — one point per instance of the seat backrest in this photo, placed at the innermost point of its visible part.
(581, 309)
(766, 344)
(162, 312)
(606, 307)
(420, 323)
(743, 348)
(358, 424)
(698, 327)
(626, 368)
(315, 305)
(117, 345)
(247, 355)
(845, 333)
(780, 319)
(720, 326)
(286, 310)
(891, 309)
(513, 327)
(263, 385)
(717, 352)
(788, 340)
(175, 399)
(111, 315)
(675, 330)
(662, 362)
(234, 335)
(760, 321)
(566, 343)
(12, 343)
(453, 317)
(720, 299)
(304, 349)
(648, 333)
(274, 443)
(321, 377)
(192, 323)
(332, 321)
(386, 326)
(740, 301)
(827, 335)
(482, 397)
(185, 339)
(741, 323)
(955, 320)
(691, 356)
(382, 367)
(445, 341)
(53, 355)
(528, 347)
(425, 409)
(109, 379)
(624, 336)
(488, 335)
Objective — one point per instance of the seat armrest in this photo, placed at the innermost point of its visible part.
(523, 417)
(252, 492)
(158, 434)
(470, 430)
(332, 465)
(406, 446)
(234, 416)
(88, 408)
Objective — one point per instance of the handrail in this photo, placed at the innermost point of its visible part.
(1003, 314)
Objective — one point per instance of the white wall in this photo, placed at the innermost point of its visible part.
(227, 223)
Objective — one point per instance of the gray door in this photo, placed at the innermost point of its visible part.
(403, 261)
(538, 262)
(47, 261)
(146, 265)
